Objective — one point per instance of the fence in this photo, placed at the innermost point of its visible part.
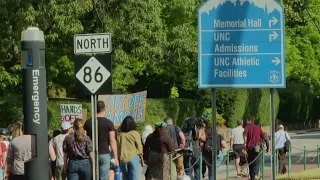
(289, 158)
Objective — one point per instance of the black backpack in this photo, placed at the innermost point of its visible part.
(188, 147)
(207, 148)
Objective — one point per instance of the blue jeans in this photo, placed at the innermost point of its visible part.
(79, 168)
(190, 160)
(104, 166)
(219, 161)
(130, 169)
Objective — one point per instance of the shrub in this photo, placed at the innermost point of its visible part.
(157, 110)
(235, 104)
(220, 120)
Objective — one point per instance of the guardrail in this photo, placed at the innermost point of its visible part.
(289, 161)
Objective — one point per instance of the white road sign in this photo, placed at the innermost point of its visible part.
(93, 74)
(92, 43)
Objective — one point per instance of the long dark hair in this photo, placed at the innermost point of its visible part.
(128, 124)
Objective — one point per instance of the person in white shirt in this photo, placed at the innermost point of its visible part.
(57, 144)
(237, 145)
(281, 137)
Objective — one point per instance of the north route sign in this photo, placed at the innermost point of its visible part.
(92, 43)
(241, 44)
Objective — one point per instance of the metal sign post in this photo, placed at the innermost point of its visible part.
(93, 77)
(214, 131)
(35, 101)
(95, 163)
(273, 131)
(95, 133)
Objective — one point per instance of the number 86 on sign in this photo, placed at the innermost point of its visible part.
(93, 74)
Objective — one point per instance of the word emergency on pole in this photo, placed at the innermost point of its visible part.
(35, 101)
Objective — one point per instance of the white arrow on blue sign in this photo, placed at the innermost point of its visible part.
(241, 44)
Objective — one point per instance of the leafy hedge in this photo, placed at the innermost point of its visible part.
(157, 109)
(235, 104)
(297, 105)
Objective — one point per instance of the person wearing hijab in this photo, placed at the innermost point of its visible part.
(147, 131)
(158, 146)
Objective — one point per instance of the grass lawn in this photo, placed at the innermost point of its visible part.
(308, 174)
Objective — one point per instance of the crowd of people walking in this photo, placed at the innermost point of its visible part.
(71, 149)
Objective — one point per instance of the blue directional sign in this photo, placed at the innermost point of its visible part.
(241, 44)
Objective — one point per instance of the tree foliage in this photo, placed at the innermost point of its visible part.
(154, 42)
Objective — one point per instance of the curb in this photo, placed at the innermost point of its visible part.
(305, 131)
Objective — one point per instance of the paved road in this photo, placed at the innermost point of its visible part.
(310, 140)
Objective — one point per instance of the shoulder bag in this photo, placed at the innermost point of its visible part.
(287, 143)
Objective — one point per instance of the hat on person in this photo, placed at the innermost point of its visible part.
(66, 125)
(160, 124)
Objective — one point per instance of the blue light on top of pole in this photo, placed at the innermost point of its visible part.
(30, 58)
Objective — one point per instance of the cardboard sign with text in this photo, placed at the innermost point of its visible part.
(84, 114)
(122, 105)
(69, 112)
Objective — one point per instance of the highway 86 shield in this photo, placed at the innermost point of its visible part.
(93, 75)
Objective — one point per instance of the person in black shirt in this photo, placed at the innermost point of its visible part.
(207, 152)
(208, 133)
(106, 137)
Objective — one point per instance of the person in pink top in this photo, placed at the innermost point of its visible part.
(3, 156)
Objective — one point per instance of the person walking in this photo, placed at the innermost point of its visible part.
(253, 135)
(158, 146)
(77, 148)
(207, 152)
(195, 139)
(179, 141)
(106, 137)
(3, 156)
(52, 152)
(208, 132)
(130, 149)
(281, 137)
(20, 151)
(57, 144)
(237, 145)
(147, 131)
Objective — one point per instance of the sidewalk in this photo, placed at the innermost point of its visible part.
(295, 168)
(294, 132)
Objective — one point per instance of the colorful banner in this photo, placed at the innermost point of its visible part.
(69, 112)
(120, 106)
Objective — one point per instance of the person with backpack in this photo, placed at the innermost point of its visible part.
(207, 152)
(179, 141)
(195, 137)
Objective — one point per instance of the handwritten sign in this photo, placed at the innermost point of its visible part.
(84, 114)
(120, 106)
(69, 112)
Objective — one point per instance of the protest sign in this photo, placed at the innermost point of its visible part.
(69, 112)
(84, 114)
(120, 106)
